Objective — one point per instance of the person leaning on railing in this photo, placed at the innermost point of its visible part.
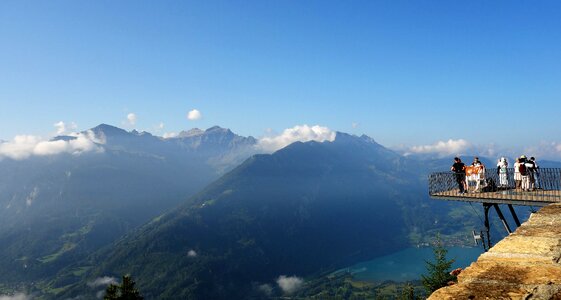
(536, 173)
(459, 172)
(532, 170)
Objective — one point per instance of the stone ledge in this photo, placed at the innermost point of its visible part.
(524, 265)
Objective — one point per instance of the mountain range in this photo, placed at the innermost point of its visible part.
(57, 209)
(204, 216)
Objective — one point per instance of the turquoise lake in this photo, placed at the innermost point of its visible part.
(409, 264)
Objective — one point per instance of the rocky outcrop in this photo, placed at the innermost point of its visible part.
(524, 265)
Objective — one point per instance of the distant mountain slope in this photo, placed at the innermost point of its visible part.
(57, 209)
(307, 208)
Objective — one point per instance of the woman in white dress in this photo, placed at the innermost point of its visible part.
(502, 167)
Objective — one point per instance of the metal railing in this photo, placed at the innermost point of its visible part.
(547, 187)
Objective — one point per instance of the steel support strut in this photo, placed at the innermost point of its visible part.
(505, 224)
(514, 216)
(486, 207)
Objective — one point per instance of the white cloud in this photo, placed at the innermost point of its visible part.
(441, 148)
(62, 128)
(161, 126)
(290, 284)
(266, 289)
(302, 133)
(24, 146)
(17, 296)
(192, 253)
(169, 135)
(20, 147)
(194, 115)
(355, 124)
(102, 281)
(543, 150)
(131, 118)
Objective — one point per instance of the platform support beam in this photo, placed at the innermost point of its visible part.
(486, 207)
(514, 216)
(502, 217)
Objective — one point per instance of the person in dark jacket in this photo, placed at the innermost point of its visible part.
(459, 172)
(536, 173)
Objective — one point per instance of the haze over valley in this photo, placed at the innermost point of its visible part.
(260, 149)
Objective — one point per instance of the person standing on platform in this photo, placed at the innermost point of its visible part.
(525, 173)
(517, 175)
(531, 170)
(536, 173)
(459, 169)
(479, 174)
(502, 168)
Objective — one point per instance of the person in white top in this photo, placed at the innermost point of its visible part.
(480, 181)
(502, 167)
(530, 168)
(517, 176)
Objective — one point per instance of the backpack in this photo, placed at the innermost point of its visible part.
(491, 186)
(522, 169)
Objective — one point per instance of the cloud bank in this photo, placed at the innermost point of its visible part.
(24, 146)
(169, 135)
(290, 284)
(194, 115)
(442, 148)
(548, 150)
(301, 133)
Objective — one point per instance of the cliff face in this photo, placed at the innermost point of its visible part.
(524, 265)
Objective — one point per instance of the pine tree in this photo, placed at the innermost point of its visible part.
(408, 292)
(124, 291)
(438, 271)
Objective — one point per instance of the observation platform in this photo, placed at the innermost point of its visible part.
(527, 263)
(490, 189)
(444, 186)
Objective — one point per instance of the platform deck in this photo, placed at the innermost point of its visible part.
(527, 198)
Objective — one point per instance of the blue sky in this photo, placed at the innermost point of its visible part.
(407, 72)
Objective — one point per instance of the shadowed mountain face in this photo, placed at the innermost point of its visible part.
(57, 209)
(307, 208)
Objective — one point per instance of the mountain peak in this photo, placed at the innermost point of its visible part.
(217, 129)
(140, 133)
(368, 139)
(190, 133)
(108, 130)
